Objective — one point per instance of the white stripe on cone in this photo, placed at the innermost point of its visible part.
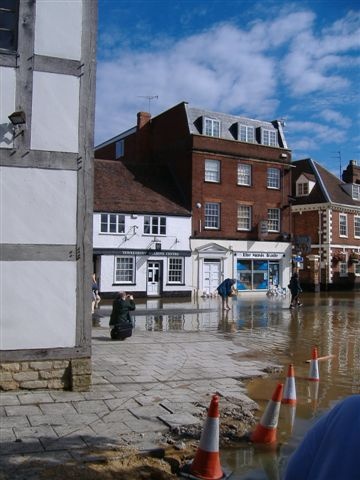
(209, 440)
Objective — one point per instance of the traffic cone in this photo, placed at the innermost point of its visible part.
(314, 366)
(206, 464)
(289, 388)
(266, 429)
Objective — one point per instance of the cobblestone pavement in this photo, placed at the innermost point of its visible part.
(142, 387)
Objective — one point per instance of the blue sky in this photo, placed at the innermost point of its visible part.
(270, 59)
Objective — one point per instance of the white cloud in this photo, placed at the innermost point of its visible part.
(229, 68)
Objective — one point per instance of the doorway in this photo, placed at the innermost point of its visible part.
(153, 278)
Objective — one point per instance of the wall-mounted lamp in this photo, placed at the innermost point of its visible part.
(283, 155)
(17, 118)
(198, 205)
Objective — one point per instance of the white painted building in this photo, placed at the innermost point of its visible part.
(47, 92)
(140, 236)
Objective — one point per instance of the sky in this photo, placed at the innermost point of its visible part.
(270, 59)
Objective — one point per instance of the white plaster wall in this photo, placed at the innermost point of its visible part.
(31, 319)
(178, 231)
(55, 112)
(38, 206)
(58, 28)
(7, 105)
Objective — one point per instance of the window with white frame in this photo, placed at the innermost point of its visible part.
(273, 178)
(176, 270)
(343, 225)
(9, 25)
(302, 189)
(154, 225)
(124, 270)
(246, 133)
(212, 215)
(274, 219)
(343, 269)
(212, 127)
(244, 217)
(357, 226)
(244, 174)
(112, 223)
(356, 191)
(119, 149)
(212, 171)
(268, 137)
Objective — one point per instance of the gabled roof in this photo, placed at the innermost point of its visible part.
(135, 188)
(327, 189)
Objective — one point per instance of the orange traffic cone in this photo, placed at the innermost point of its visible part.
(289, 388)
(206, 464)
(266, 429)
(314, 366)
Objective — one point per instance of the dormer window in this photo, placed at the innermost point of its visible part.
(119, 149)
(356, 191)
(268, 137)
(212, 127)
(302, 189)
(246, 133)
(304, 184)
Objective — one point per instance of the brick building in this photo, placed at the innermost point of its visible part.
(234, 176)
(326, 225)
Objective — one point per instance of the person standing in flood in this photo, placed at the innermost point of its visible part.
(295, 290)
(225, 290)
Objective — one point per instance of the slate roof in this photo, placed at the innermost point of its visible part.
(229, 123)
(128, 188)
(328, 187)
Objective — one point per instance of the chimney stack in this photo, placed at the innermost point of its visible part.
(142, 119)
(352, 173)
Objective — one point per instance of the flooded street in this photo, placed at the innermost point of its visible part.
(273, 332)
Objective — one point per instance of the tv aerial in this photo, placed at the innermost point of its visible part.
(149, 98)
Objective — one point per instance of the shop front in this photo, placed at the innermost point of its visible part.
(257, 271)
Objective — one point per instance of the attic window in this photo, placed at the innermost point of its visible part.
(212, 127)
(356, 191)
(268, 137)
(246, 133)
(302, 189)
(119, 149)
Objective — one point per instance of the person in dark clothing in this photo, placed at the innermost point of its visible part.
(295, 290)
(225, 289)
(120, 318)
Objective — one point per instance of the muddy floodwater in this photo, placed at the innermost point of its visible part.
(266, 326)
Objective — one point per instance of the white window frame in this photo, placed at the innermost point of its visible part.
(212, 171)
(246, 133)
(176, 268)
(343, 225)
(119, 149)
(268, 137)
(357, 226)
(356, 191)
(302, 189)
(212, 127)
(273, 178)
(343, 269)
(244, 174)
(116, 219)
(155, 224)
(244, 217)
(124, 275)
(274, 220)
(12, 15)
(212, 216)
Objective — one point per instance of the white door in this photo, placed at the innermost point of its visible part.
(153, 278)
(211, 276)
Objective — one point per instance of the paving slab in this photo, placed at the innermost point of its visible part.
(174, 420)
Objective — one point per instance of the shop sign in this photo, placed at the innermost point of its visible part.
(260, 255)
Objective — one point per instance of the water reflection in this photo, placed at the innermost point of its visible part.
(267, 326)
